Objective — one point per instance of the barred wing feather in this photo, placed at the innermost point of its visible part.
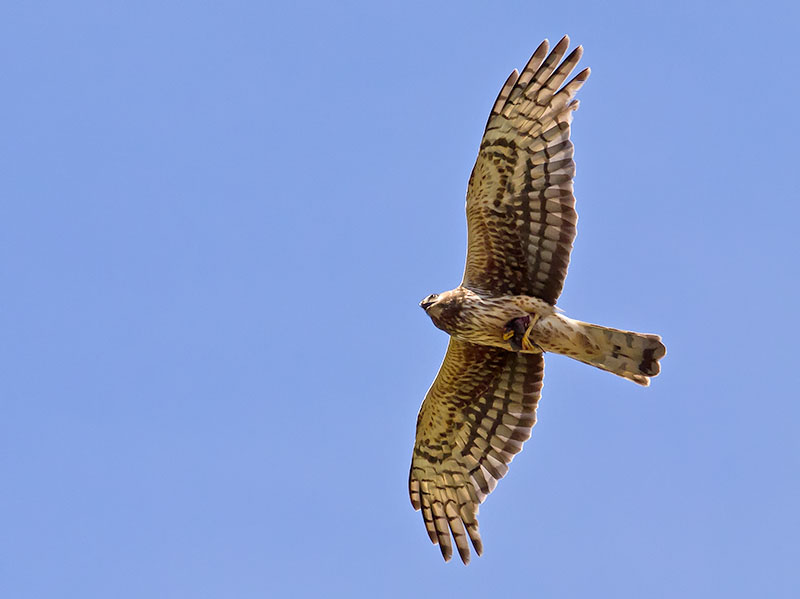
(475, 418)
(521, 215)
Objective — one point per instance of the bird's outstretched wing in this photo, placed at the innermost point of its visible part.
(475, 418)
(520, 209)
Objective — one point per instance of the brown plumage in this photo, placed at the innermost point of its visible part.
(521, 223)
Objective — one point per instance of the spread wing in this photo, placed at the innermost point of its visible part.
(520, 209)
(475, 418)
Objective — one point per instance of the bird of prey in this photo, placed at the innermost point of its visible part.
(502, 318)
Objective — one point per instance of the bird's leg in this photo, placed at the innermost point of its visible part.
(517, 332)
(527, 344)
(514, 330)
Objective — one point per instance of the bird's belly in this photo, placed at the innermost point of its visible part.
(485, 323)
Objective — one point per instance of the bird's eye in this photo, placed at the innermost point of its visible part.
(428, 301)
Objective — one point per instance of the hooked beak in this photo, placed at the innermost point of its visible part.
(425, 305)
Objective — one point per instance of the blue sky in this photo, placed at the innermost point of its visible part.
(217, 220)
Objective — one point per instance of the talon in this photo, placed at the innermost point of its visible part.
(527, 344)
(514, 331)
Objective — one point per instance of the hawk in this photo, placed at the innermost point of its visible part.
(502, 319)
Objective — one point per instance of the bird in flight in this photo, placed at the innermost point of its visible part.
(501, 320)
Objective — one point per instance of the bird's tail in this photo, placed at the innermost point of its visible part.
(631, 355)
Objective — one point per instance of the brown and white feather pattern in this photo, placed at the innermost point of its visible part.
(475, 418)
(520, 207)
(521, 223)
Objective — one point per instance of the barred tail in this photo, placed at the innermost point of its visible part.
(633, 356)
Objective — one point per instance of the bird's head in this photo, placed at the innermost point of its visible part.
(429, 301)
(442, 308)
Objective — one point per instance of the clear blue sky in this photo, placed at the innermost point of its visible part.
(217, 220)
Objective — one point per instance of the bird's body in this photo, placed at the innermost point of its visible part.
(502, 319)
(485, 320)
(470, 316)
